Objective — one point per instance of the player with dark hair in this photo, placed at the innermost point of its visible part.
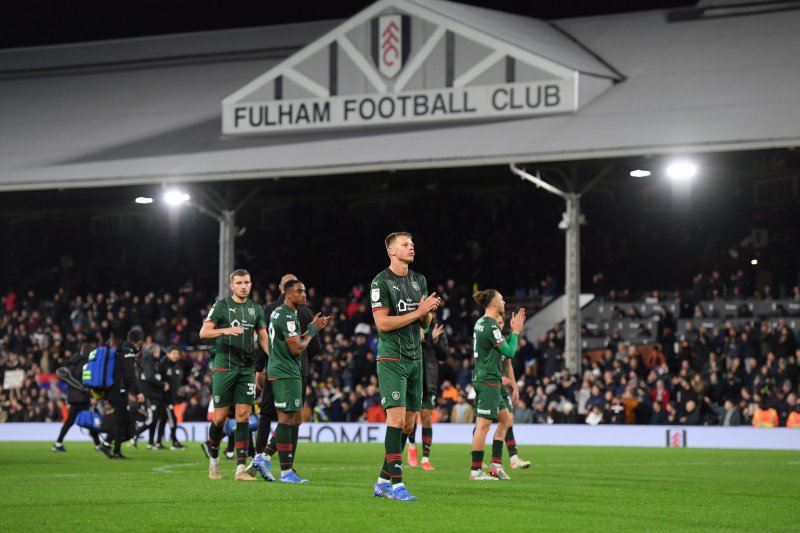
(286, 342)
(489, 348)
(172, 374)
(233, 322)
(401, 307)
(435, 349)
(125, 383)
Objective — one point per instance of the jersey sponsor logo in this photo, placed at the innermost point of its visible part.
(484, 411)
(395, 395)
(280, 404)
(497, 334)
(376, 295)
(235, 323)
(415, 285)
(291, 327)
(406, 305)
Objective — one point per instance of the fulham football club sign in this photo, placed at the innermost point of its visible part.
(390, 43)
(401, 62)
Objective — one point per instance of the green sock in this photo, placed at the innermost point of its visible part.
(393, 459)
(215, 435)
(242, 436)
(427, 439)
(511, 443)
(477, 460)
(497, 451)
(283, 438)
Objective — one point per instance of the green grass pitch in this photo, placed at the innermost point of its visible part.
(567, 489)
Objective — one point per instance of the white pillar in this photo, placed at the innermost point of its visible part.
(227, 227)
(572, 348)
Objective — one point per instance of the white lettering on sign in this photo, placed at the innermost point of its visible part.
(437, 105)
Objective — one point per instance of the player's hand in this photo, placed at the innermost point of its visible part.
(140, 398)
(429, 304)
(234, 331)
(436, 332)
(321, 321)
(518, 320)
(505, 381)
(514, 395)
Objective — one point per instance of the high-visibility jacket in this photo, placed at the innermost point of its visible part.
(765, 418)
(794, 420)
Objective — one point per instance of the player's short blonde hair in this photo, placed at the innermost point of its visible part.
(392, 236)
(239, 272)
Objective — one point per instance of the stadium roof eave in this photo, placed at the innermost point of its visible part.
(385, 166)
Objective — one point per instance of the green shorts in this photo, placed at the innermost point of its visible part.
(506, 402)
(429, 401)
(288, 394)
(233, 387)
(401, 384)
(489, 400)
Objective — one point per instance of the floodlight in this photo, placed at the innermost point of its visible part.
(754, 262)
(682, 170)
(640, 173)
(176, 198)
(144, 200)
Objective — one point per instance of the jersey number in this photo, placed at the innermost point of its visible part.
(251, 389)
(475, 346)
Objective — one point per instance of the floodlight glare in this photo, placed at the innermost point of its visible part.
(682, 170)
(176, 197)
(144, 200)
(754, 262)
(640, 173)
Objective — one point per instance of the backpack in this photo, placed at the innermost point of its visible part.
(98, 372)
(88, 419)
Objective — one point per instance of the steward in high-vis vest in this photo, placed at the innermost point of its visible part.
(765, 416)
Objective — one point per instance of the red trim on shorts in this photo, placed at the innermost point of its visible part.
(379, 308)
(220, 369)
(387, 359)
(491, 384)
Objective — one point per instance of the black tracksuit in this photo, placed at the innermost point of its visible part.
(124, 383)
(172, 374)
(152, 386)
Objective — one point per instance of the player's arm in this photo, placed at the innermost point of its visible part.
(210, 331)
(423, 314)
(512, 381)
(426, 320)
(298, 344)
(509, 348)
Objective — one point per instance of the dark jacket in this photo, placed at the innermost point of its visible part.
(172, 374)
(124, 375)
(150, 378)
(305, 315)
(75, 366)
(433, 353)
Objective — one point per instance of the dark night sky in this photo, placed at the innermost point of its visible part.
(42, 22)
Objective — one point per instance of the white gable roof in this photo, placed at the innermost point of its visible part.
(722, 84)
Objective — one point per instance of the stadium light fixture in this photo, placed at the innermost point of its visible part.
(754, 262)
(143, 200)
(682, 170)
(640, 173)
(175, 198)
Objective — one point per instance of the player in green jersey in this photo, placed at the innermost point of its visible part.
(509, 384)
(490, 347)
(286, 343)
(234, 322)
(400, 306)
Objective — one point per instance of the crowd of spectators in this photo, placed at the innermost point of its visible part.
(696, 376)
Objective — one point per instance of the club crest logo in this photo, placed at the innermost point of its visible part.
(415, 285)
(395, 396)
(297, 403)
(252, 311)
(390, 43)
